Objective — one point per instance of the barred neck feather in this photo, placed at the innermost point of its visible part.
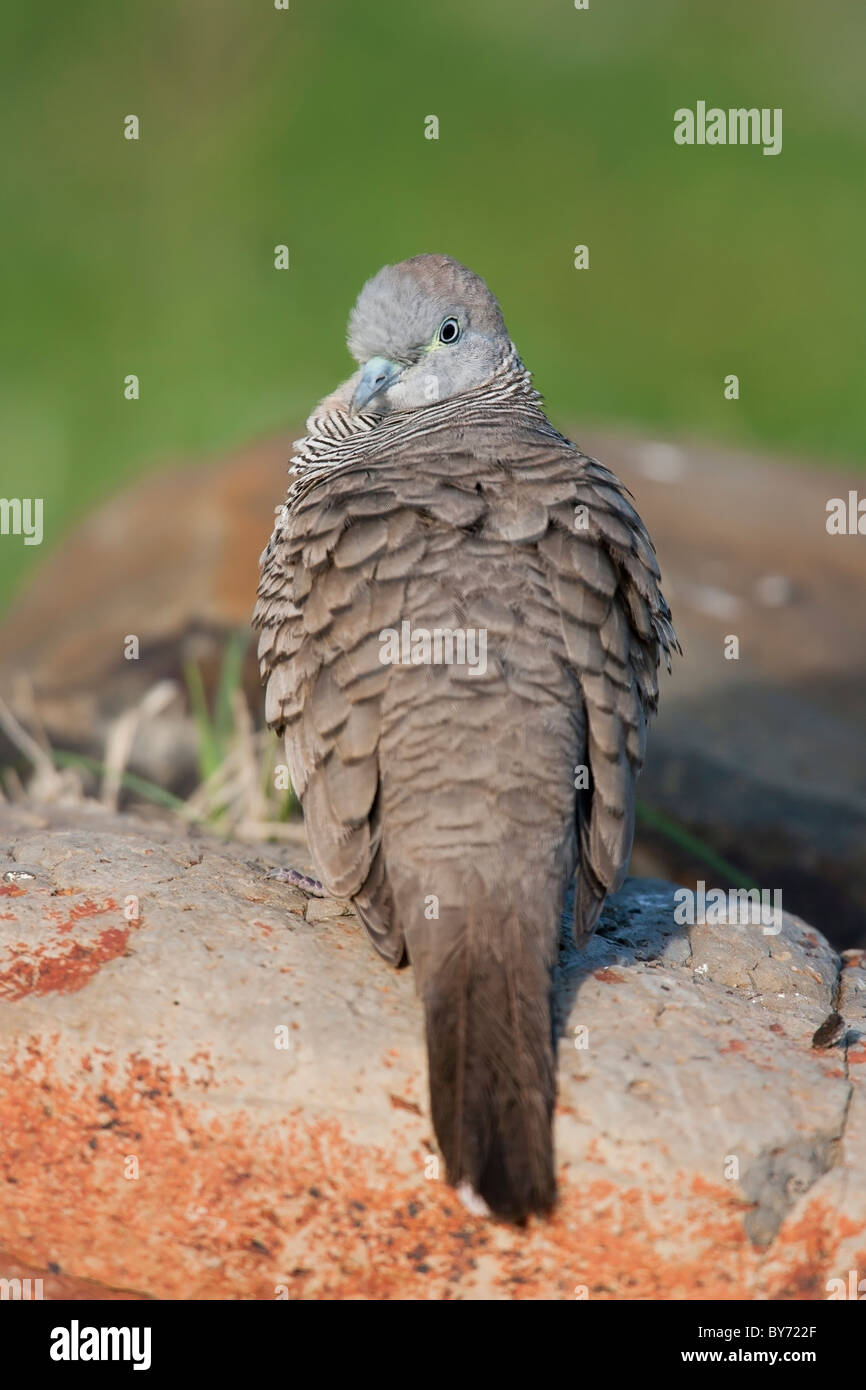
(337, 440)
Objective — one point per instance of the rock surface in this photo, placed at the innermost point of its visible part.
(762, 756)
(211, 1087)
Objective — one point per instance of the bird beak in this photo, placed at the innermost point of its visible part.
(378, 374)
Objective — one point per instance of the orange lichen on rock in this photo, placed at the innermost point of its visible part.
(215, 1206)
(67, 964)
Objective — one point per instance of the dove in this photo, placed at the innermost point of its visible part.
(457, 800)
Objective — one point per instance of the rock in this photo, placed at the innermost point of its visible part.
(210, 1088)
(763, 757)
(173, 561)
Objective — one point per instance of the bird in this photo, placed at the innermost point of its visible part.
(456, 801)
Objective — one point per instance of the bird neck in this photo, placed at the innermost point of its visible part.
(339, 438)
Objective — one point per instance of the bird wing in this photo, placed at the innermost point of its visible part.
(615, 626)
(333, 576)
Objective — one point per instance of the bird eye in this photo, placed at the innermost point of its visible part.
(449, 331)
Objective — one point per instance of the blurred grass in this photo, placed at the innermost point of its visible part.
(215, 728)
(306, 127)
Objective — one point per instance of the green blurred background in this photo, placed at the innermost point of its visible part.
(306, 127)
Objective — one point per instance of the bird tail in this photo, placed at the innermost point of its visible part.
(486, 983)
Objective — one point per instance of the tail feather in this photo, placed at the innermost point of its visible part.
(487, 992)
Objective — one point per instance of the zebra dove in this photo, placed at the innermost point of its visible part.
(461, 625)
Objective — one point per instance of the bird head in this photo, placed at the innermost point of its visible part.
(422, 331)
